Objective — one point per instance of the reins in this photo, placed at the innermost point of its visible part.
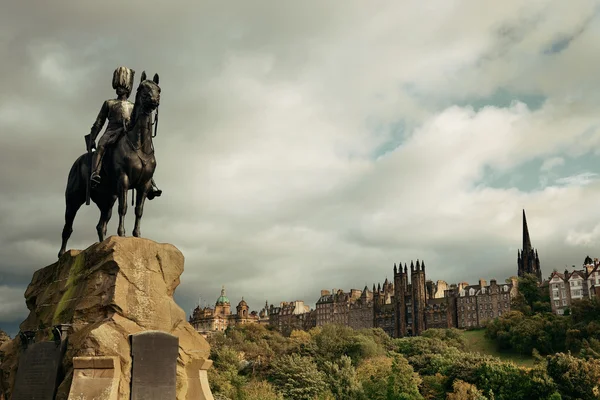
(138, 149)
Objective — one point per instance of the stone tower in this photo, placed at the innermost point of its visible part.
(242, 309)
(419, 297)
(400, 285)
(528, 261)
(223, 305)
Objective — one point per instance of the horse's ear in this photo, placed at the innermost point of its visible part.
(155, 79)
(143, 77)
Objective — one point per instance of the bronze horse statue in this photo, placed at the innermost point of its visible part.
(128, 164)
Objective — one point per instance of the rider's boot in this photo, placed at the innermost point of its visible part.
(97, 162)
(154, 191)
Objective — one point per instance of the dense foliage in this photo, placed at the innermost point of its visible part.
(532, 328)
(334, 362)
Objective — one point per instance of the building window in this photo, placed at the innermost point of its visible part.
(556, 302)
(564, 302)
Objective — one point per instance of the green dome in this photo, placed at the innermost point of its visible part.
(222, 298)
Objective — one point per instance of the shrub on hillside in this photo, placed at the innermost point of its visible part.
(297, 377)
(576, 378)
(388, 377)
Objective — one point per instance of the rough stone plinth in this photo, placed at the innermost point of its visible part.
(107, 292)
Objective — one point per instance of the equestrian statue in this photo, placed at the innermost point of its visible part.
(124, 158)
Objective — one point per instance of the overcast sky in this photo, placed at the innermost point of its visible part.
(310, 144)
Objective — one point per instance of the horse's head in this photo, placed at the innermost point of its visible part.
(148, 93)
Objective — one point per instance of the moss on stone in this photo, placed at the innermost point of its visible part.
(64, 311)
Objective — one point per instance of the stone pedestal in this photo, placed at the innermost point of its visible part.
(107, 292)
(95, 378)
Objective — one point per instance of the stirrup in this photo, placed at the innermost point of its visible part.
(95, 179)
(154, 193)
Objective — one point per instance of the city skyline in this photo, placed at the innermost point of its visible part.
(306, 144)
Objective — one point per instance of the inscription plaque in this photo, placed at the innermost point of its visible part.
(38, 370)
(154, 369)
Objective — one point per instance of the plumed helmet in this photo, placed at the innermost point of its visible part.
(123, 77)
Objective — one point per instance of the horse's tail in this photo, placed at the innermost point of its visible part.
(76, 180)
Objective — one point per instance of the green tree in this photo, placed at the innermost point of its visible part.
(433, 387)
(297, 377)
(259, 390)
(388, 378)
(224, 377)
(530, 296)
(342, 380)
(465, 391)
(576, 378)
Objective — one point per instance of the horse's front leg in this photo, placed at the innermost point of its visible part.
(139, 208)
(123, 187)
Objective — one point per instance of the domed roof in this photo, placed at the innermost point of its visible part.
(222, 300)
(243, 303)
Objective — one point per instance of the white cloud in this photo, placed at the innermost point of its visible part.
(552, 163)
(588, 239)
(582, 179)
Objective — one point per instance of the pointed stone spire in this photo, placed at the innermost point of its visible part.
(418, 265)
(422, 265)
(373, 288)
(395, 269)
(412, 266)
(405, 269)
(379, 287)
(526, 239)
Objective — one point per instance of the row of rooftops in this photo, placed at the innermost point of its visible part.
(590, 267)
(461, 289)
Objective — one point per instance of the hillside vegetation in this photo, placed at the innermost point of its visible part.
(531, 328)
(335, 362)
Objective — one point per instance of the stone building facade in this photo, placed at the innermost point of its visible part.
(361, 314)
(207, 320)
(289, 316)
(412, 304)
(477, 304)
(567, 287)
(324, 308)
(384, 307)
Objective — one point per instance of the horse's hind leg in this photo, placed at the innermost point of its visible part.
(139, 209)
(106, 207)
(123, 187)
(74, 202)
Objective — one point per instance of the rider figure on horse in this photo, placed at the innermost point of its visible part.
(118, 112)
